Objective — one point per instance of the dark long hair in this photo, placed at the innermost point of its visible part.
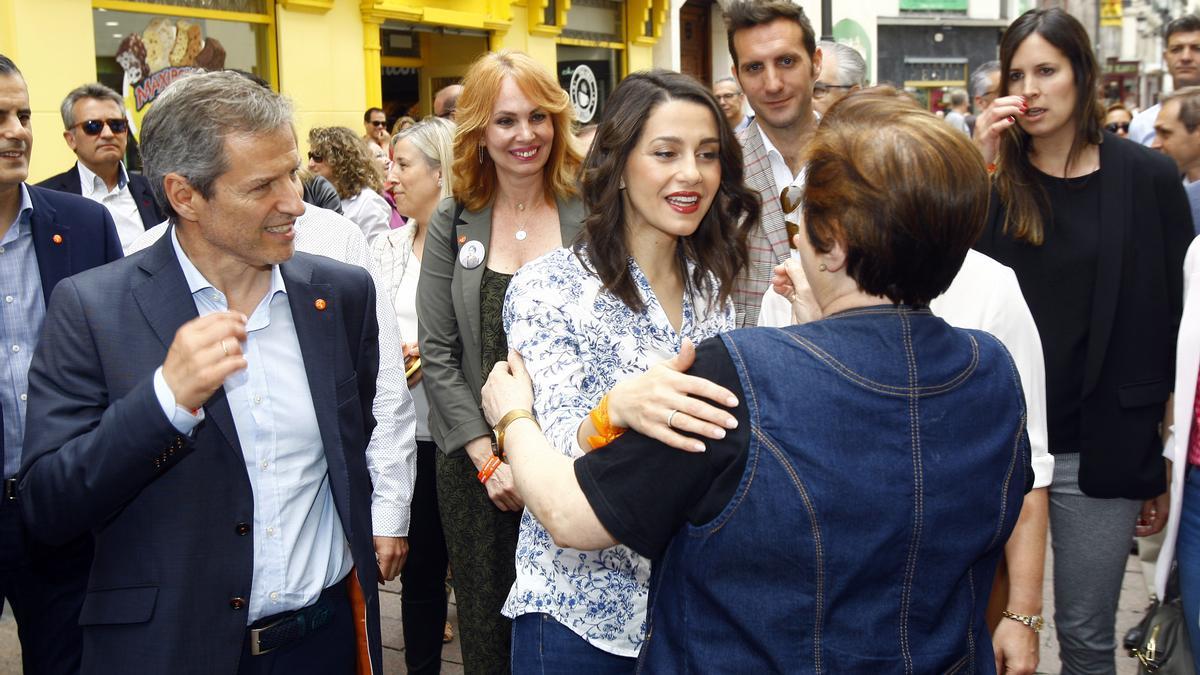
(718, 246)
(1015, 181)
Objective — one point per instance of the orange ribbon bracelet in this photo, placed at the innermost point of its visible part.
(489, 468)
(606, 432)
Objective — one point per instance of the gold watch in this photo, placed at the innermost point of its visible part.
(1034, 622)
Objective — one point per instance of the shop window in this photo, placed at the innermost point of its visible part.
(588, 74)
(249, 6)
(140, 54)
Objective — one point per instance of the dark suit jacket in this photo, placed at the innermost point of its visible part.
(165, 509)
(139, 187)
(1144, 231)
(87, 235)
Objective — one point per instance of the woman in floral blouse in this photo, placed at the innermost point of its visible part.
(661, 245)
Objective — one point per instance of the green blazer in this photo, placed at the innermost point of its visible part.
(449, 325)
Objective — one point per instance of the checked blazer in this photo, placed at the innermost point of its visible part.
(767, 244)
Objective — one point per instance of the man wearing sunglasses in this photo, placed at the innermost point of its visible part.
(45, 236)
(375, 125)
(97, 131)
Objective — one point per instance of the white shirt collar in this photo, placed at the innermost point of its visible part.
(90, 183)
(195, 278)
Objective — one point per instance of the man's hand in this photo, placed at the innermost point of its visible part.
(665, 395)
(790, 281)
(1016, 647)
(1153, 516)
(391, 552)
(204, 352)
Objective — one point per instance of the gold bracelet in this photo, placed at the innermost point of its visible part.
(1034, 622)
(502, 425)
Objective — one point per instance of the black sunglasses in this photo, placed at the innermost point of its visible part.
(315, 157)
(1113, 127)
(94, 127)
(379, 123)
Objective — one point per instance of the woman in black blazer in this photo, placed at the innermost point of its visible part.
(1096, 228)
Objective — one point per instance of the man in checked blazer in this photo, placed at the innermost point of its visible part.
(776, 61)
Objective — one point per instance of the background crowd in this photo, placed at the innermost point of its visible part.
(693, 389)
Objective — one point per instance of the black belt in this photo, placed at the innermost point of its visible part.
(10, 489)
(280, 630)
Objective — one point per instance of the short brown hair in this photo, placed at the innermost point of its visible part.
(1189, 106)
(475, 173)
(904, 193)
(743, 14)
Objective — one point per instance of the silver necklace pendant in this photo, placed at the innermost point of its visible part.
(521, 234)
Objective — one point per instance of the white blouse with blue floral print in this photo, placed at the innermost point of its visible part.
(579, 340)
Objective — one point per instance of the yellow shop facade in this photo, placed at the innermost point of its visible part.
(333, 58)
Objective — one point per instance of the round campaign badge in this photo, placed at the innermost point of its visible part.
(584, 93)
(471, 255)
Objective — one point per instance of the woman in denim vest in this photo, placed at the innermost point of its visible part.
(852, 521)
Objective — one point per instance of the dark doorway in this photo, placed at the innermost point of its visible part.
(695, 40)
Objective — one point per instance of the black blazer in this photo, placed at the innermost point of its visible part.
(1144, 231)
(139, 187)
(167, 511)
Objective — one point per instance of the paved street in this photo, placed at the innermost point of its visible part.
(1133, 601)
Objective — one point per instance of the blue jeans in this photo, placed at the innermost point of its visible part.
(1187, 553)
(543, 646)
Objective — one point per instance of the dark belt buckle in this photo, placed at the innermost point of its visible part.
(10, 489)
(289, 629)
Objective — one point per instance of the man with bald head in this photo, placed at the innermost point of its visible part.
(446, 101)
(843, 70)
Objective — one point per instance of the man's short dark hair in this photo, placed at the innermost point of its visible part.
(7, 67)
(372, 111)
(1188, 23)
(743, 14)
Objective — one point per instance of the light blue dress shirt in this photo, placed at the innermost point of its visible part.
(300, 547)
(22, 310)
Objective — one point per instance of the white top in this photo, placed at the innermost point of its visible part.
(119, 201)
(1187, 367)
(984, 295)
(779, 169)
(1141, 129)
(399, 271)
(370, 212)
(578, 341)
(392, 452)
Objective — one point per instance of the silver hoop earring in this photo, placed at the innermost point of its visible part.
(439, 182)
(481, 154)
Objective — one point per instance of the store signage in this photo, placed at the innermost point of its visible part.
(584, 93)
(162, 53)
(933, 5)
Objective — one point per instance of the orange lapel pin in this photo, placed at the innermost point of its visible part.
(320, 304)
(58, 239)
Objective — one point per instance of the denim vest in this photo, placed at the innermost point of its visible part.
(887, 466)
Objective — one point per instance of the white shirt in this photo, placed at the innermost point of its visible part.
(1141, 129)
(400, 270)
(391, 454)
(119, 201)
(370, 212)
(984, 295)
(300, 547)
(779, 169)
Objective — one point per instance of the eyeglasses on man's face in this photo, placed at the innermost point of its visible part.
(821, 90)
(379, 124)
(723, 98)
(95, 127)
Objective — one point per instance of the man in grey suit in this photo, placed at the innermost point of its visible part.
(204, 408)
(776, 61)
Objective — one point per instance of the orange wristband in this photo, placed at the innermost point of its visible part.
(489, 468)
(605, 431)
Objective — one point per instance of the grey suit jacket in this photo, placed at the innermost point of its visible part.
(449, 327)
(767, 244)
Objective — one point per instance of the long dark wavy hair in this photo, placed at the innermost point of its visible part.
(718, 246)
(1015, 177)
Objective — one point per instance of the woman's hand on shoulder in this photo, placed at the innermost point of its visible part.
(664, 401)
(993, 122)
